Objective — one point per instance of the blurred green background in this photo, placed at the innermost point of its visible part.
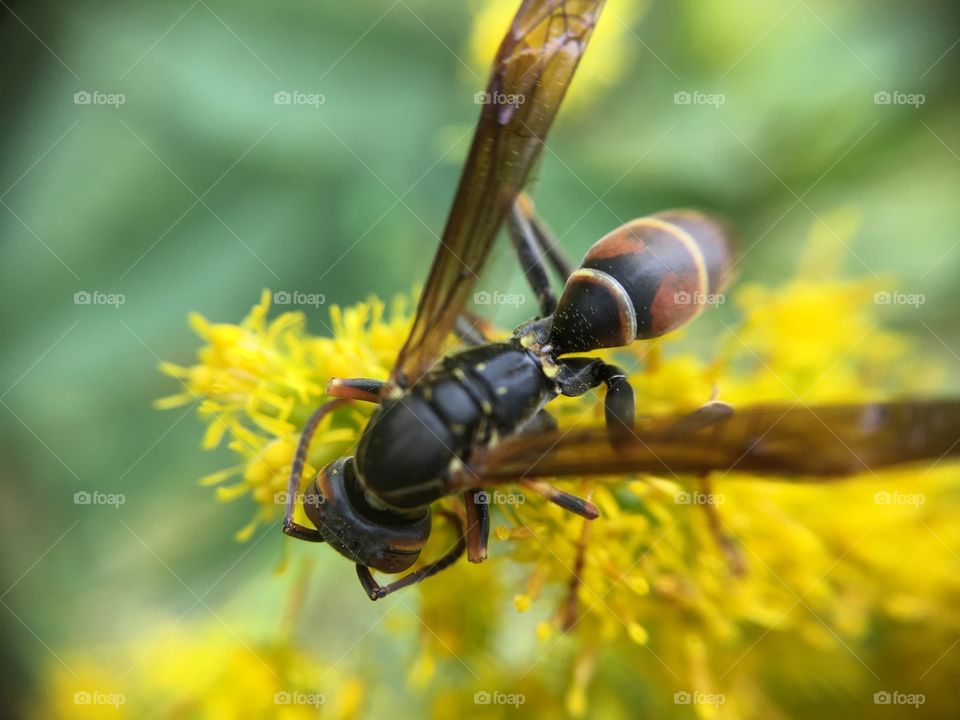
(199, 190)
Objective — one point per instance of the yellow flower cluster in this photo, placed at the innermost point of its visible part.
(202, 672)
(697, 575)
(696, 584)
(256, 383)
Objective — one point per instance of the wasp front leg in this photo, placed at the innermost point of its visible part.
(356, 389)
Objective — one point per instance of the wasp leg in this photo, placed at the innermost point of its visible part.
(355, 389)
(472, 329)
(571, 503)
(578, 375)
(291, 528)
(543, 421)
(568, 616)
(376, 591)
(478, 524)
(619, 406)
(520, 223)
(561, 265)
(710, 413)
(735, 559)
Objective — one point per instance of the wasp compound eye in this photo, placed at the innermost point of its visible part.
(385, 540)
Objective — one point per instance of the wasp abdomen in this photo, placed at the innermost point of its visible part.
(642, 280)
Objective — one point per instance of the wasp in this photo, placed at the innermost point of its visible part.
(459, 423)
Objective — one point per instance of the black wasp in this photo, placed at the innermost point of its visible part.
(478, 417)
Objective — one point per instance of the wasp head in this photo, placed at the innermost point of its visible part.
(382, 539)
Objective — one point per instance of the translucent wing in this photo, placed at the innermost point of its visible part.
(531, 73)
(790, 441)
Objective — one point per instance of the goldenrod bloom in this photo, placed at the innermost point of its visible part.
(724, 590)
(200, 672)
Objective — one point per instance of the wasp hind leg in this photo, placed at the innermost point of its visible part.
(535, 248)
(578, 375)
(376, 591)
(724, 539)
(569, 614)
(710, 413)
(619, 406)
(523, 209)
(713, 412)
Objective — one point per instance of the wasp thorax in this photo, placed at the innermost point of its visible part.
(385, 540)
(642, 280)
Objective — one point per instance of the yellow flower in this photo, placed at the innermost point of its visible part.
(202, 673)
(256, 383)
(727, 586)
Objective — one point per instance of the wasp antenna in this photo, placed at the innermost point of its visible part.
(303, 446)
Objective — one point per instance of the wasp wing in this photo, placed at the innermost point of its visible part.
(531, 73)
(789, 441)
